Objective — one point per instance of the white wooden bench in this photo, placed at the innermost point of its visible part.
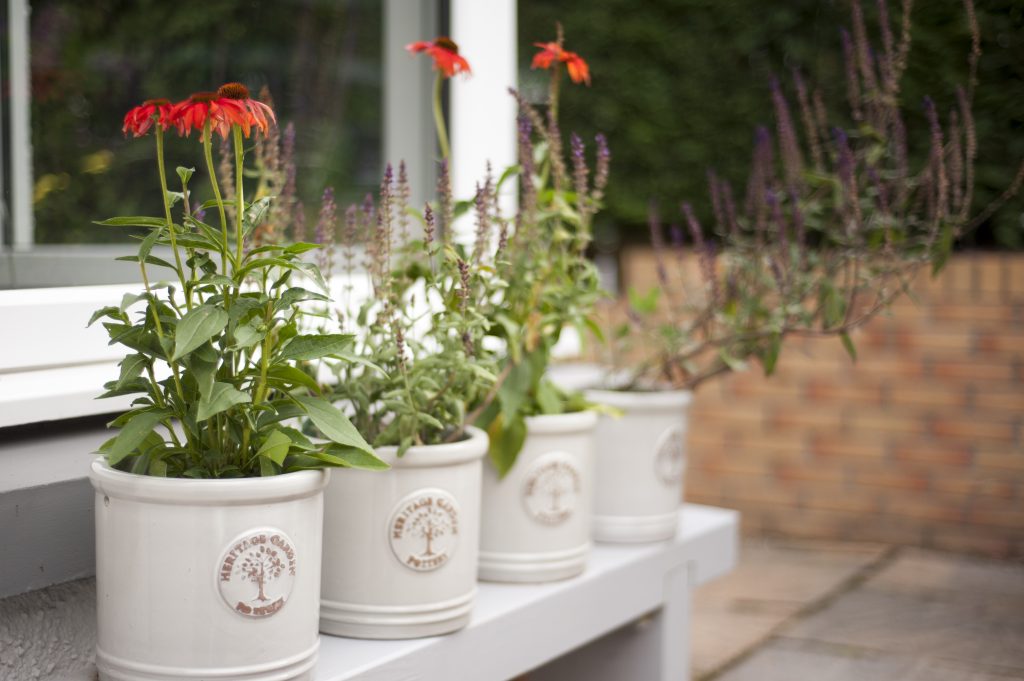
(627, 618)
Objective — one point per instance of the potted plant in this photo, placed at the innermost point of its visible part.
(208, 505)
(401, 547)
(537, 492)
(827, 236)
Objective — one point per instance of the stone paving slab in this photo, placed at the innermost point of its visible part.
(917, 616)
(774, 580)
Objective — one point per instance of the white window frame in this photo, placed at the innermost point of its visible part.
(51, 366)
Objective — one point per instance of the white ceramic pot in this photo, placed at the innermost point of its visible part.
(536, 520)
(400, 546)
(207, 579)
(641, 459)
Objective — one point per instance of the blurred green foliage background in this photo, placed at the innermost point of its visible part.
(679, 85)
(92, 61)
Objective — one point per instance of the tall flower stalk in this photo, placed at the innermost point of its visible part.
(447, 63)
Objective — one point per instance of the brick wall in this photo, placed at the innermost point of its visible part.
(920, 442)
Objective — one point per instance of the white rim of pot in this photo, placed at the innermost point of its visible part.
(206, 492)
(636, 399)
(571, 422)
(431, 456)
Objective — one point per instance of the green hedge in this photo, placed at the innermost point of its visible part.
(679, 85)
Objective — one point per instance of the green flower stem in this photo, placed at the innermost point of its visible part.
(208, 153)
(160, 331)
(239, 203)
(167, 214)
(442, 132)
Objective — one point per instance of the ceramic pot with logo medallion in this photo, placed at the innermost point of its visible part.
(640, 463)
(536, 519)
(401, 546)
(207, 579)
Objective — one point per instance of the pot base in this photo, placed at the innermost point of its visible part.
(390, 622)
(635, 529)
(530, 568)
(296, 668)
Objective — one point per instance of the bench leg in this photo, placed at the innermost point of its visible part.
(654, 648)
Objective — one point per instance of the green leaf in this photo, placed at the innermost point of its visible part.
(131, 367)
(734, 363)
(222, 397)
(203, 371)
(308, 347)
(147, 244)
(512, 393)
(548, 398)
(133, 433)
(350, 457)
(108, 311)
(296, 295)
(247, 336)
(301, 247)
(332, 423)
(150, 260)
(293, 376)
(133, 221)
(848, 344)
(185, 174)
(771, 354)
(275, 447)
(506, 443)
(646, 304)
(196, 327)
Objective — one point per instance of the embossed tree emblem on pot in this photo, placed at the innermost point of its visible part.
(551, 489)
(261, 566)
(261, 561)
(424, 529)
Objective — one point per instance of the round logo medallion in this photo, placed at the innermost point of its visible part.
(670, 459)
(257, 571)
(424, 529)
(551, 489)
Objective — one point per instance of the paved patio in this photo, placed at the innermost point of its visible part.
(820, 611)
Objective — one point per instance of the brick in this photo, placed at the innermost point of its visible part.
(1015, 279)
(805, 417)
(891, 476)
(927, 394)
(927, 509)
(865, 420)
(994, 460)
(788, 472)
(988, 314)
(837, 498)
(868, 392)
(946, 453)
(958, 277)
(990, 400)
(809, 523)
(998, 514)
(974, 429)
(989, 276)
(974, 487)
(1001, 342)
(970, 541)
(975, 371)
(835, 446)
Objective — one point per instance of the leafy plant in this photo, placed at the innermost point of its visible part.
(216, 353)
(827, 236)
(543, 278)
(418, 359)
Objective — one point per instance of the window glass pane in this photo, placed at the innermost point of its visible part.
(91, 61)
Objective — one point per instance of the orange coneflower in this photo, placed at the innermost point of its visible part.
(550, 53)
(240, 109)
(140, 119)
(445, 54)
(194, 112)
(229, 105)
